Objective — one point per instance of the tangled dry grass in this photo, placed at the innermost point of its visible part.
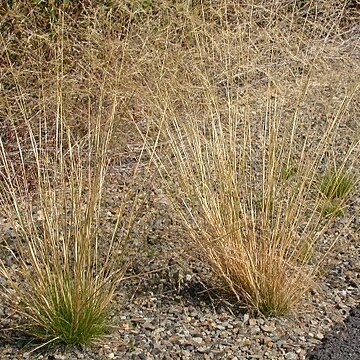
(223, 91)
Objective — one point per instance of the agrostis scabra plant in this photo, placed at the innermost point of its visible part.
(61, 272)
(256, 230)
(335, 187)
(241, 166)
(240, 145)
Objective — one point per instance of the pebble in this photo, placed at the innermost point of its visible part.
(202, 349)
(148, 326)
(246, 318)
(252, 322)
(267, 328)
(220, 327)
(197, 340)
(255, 330)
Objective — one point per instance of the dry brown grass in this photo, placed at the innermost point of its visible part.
(236, 112)
(257, 230)
(234, 85)
(61, 271)
(60, 268)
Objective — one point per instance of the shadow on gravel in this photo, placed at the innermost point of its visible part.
(16, 341)
(20, 343)
(343, 343)
(198, 293)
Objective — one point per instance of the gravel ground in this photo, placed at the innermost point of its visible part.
(169, 308)
(342, 342)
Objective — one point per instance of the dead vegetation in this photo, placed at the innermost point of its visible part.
(236, 93)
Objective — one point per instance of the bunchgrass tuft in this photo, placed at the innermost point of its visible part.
(61, 269)
(335, 188)
(258, 233)
(337, 184)
(228, 141)
(78, 317)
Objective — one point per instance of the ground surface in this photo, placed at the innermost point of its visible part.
(342, 342)
(168, 308)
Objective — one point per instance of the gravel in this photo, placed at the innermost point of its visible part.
(342, 342)
(169, 307)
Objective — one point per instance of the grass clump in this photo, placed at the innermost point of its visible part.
(261, 250)
(337, 184)
(226, 151)
(61, 269)
(335, 187)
